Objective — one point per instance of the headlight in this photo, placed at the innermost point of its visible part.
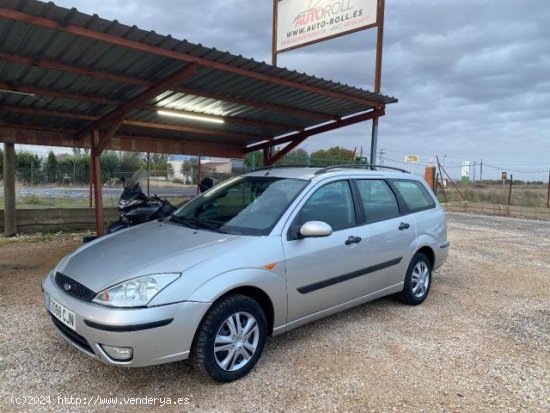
(136, 292)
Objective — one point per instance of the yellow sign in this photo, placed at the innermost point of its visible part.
(412, 159)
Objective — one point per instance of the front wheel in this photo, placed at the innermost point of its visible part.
(417, 281)
(230, 339)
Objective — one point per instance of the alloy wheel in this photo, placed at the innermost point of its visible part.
(236, 341)
(420, 279)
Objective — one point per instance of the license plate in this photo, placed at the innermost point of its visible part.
(62, 313)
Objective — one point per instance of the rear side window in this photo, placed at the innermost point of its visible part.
(414, 194)
(378, 200)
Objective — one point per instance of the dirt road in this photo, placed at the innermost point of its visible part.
(481, 341)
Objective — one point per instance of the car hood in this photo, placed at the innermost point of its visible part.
(155, 247)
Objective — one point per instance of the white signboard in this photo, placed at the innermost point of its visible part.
(465, 172)
(301, 22)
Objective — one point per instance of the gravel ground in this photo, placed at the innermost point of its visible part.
(480, 342)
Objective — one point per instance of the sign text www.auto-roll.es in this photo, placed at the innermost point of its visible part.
(301, 22)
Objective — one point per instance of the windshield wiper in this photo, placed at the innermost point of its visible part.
(205, 224)
(183, 221)
(196, 223)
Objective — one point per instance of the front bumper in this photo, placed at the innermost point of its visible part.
(154, 338)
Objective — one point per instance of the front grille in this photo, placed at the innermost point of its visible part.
(74, 288)
(72, 335)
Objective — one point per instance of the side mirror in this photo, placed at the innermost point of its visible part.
(315, 229)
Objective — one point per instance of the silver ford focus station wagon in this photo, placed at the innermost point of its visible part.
(255, 256)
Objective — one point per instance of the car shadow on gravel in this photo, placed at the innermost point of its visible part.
(171, 376)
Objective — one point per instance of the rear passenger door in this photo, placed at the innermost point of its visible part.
(421, 207)
(389, 235)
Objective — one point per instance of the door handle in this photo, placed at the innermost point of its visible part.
(353, 240)
(404, 225)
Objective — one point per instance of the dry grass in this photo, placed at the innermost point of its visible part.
(527, 195)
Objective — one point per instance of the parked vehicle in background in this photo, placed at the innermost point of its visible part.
(253, 257)
(135, 207)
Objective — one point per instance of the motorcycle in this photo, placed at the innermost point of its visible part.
(137, 208)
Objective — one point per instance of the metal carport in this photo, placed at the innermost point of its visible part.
(75, 80)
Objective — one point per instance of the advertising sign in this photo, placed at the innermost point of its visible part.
(301, 22)
(412, 158)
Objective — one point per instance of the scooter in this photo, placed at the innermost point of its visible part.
(137, 208)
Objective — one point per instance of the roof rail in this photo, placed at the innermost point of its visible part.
(359, 166)
(265, 168)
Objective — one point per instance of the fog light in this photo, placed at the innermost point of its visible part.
(118, 353)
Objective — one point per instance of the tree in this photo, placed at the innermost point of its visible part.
(82, 168)
(130, 161)
(1, 163)
(159, 162)
(254, 160)
(295, 157)
(51, 167)
(27, 167)
(109, 165)
(190, 169)
(332, 156)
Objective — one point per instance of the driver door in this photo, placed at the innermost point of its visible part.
(321, 272)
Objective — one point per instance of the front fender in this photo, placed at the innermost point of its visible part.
(270, 282)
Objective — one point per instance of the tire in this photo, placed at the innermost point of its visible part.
(418, 280)
(212, 355)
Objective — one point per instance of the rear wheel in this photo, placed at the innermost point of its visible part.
(417, 281)
(230, 339)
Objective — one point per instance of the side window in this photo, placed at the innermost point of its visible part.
(414, 194)
(332, 203)
(379, 202)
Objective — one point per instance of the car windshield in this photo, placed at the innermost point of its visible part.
(249, 205)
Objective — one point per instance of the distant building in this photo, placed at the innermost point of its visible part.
(209, 165)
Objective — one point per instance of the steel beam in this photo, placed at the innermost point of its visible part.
(150, 108)
(243, 137)
(10, 221)
(45, 112)
(32, 135)
(98, 184)
(373, 141)
(108, 135)
(145, 96)
(146, 83)
(255, 104)
(58, 94)
(280, 154)
(316, 130)
(142, 124)
(173, 54)
(228, 119)
(77, 70)
(377, 75)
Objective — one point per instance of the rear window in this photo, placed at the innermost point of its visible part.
(414, 194)
(378, 199)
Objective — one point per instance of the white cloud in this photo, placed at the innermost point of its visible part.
(472, 77)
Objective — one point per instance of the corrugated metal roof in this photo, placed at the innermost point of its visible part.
(127, 72)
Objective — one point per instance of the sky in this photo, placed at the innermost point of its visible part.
(472, 77)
